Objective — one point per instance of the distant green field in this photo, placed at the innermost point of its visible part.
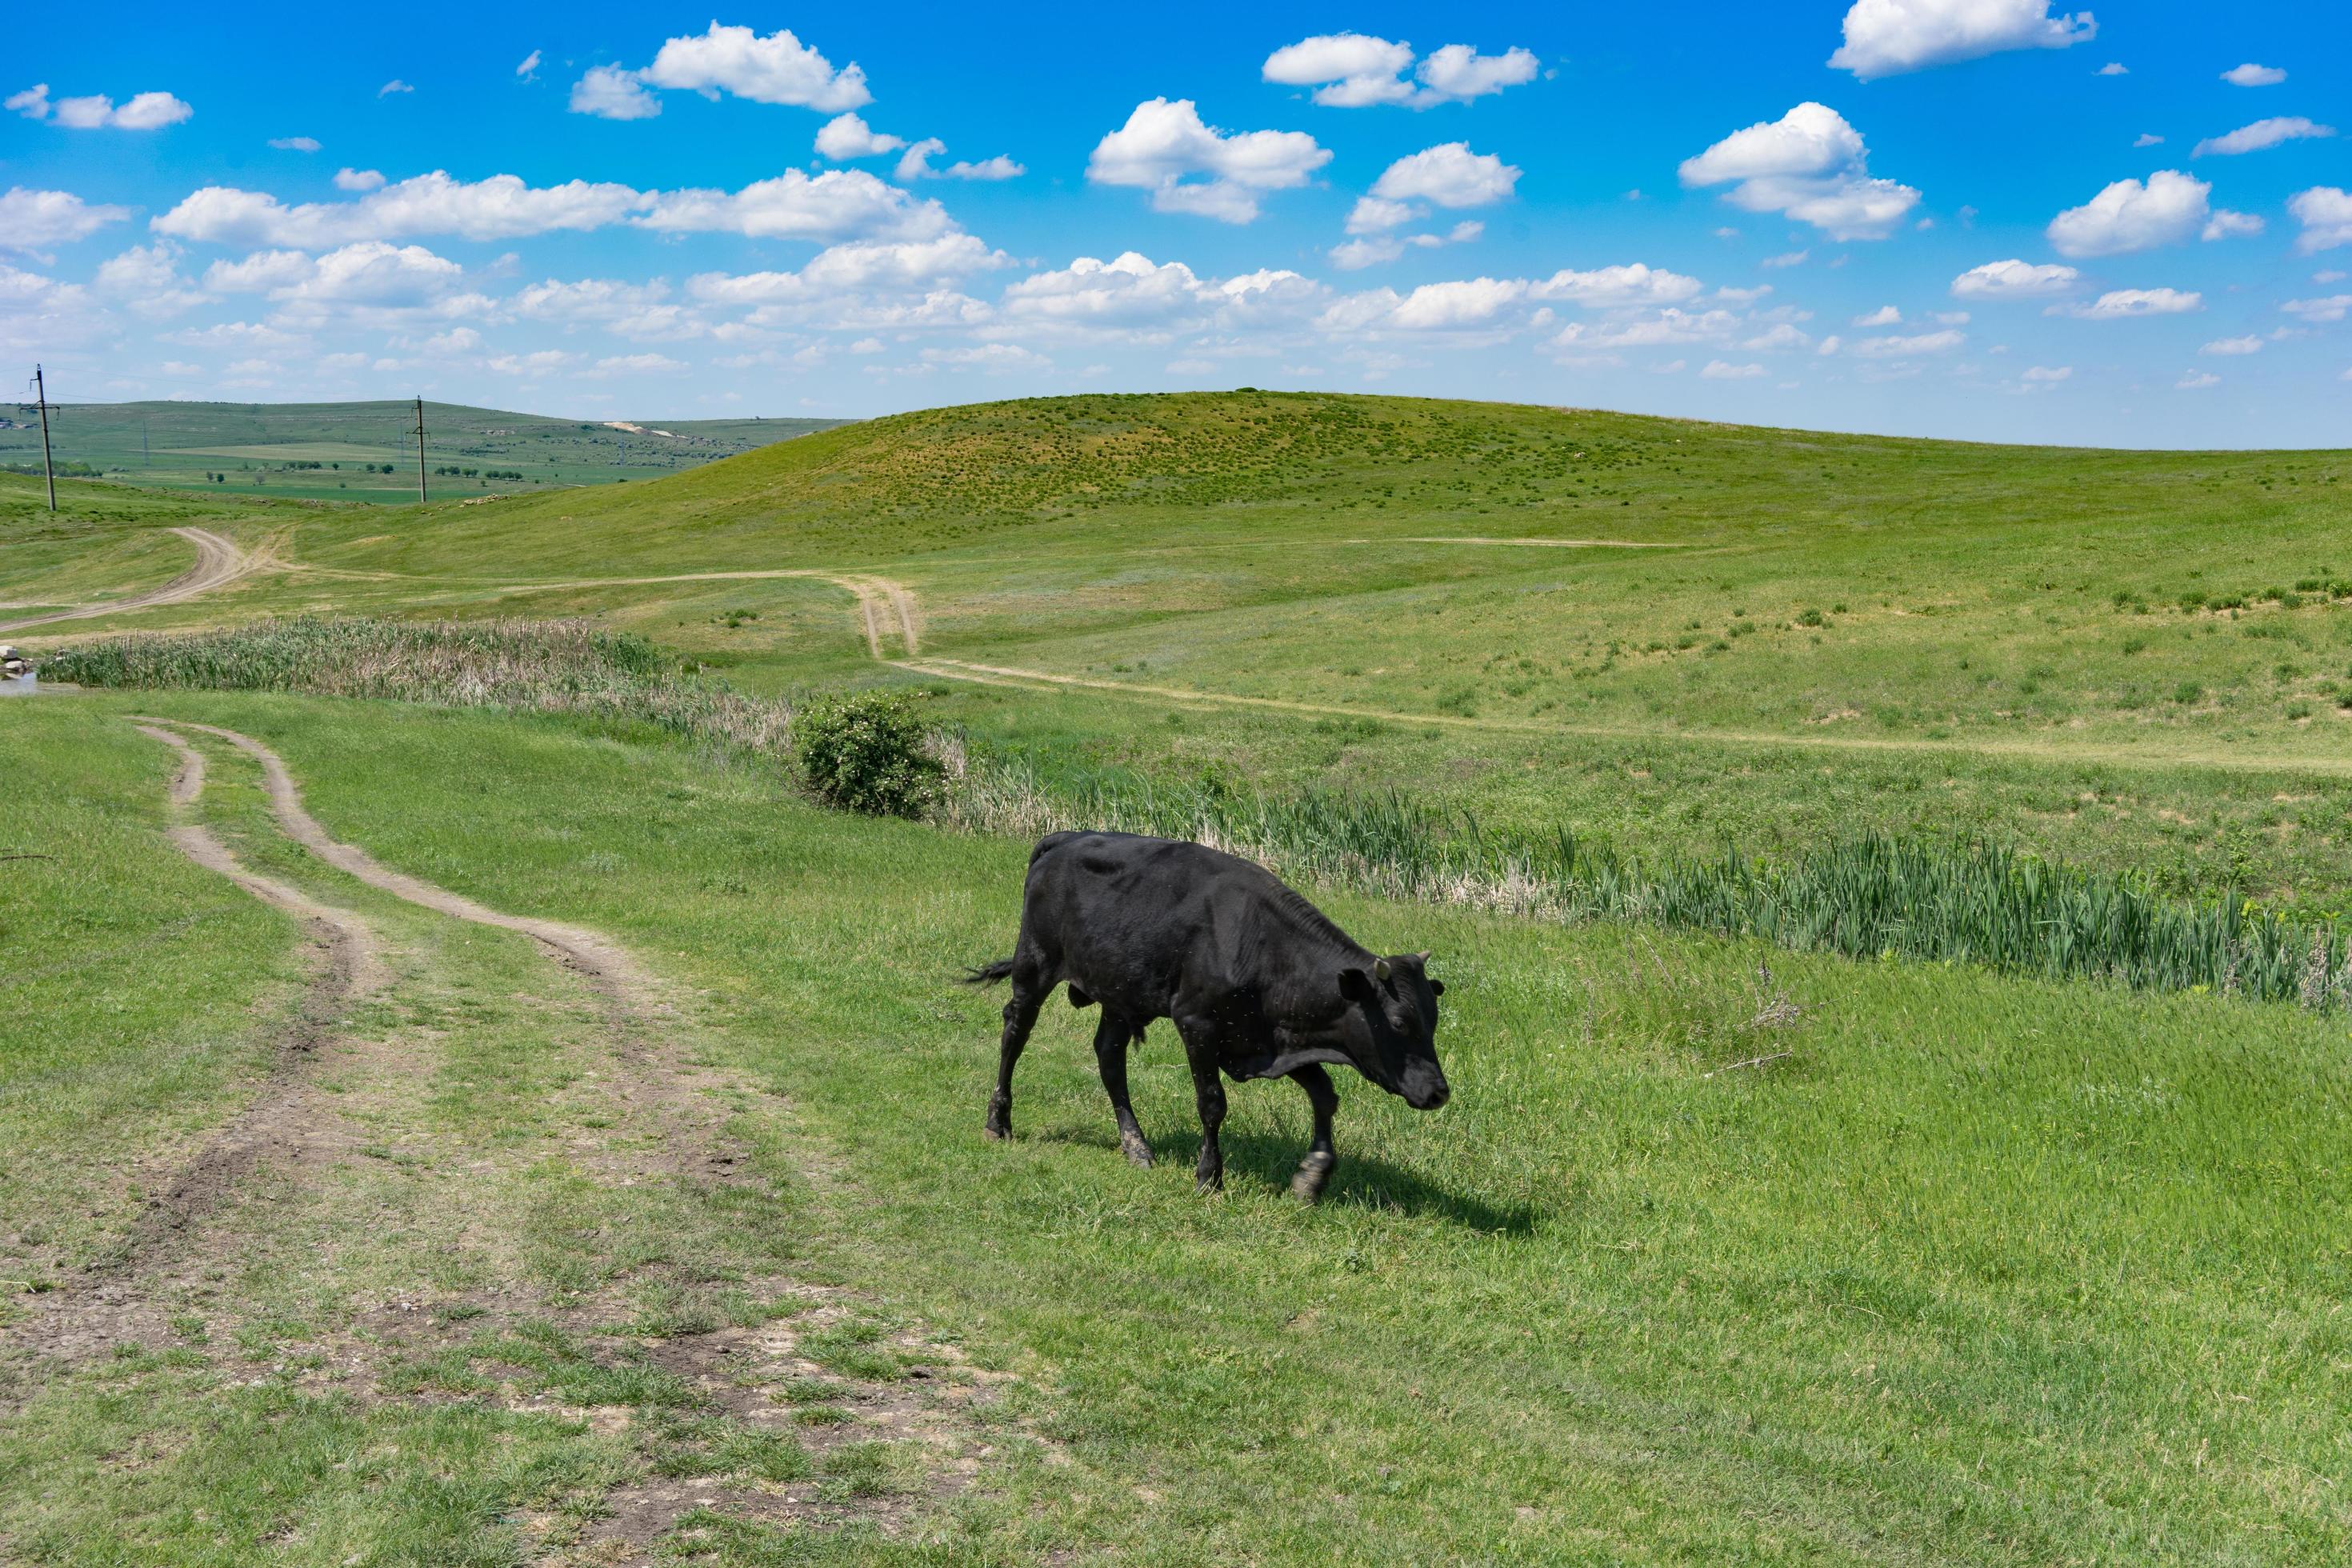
(367, 451)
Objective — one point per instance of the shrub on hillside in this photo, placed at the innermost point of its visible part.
(867, 752)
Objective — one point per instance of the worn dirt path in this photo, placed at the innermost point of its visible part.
(671, 1119)
(2235, 759)
(605, 964)
(220, 561)
(288, 1125)
(879, 598)
(884, 607)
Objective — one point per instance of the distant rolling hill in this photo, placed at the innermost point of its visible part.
(367, 451)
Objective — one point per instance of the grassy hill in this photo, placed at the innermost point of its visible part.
(367, 451)
(2139, 658)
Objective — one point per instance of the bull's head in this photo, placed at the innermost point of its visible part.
(1389, 1032)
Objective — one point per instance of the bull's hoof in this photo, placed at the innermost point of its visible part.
(1137, 1151)
(1208, 1184)
(994, 1134)
(1314, 1171)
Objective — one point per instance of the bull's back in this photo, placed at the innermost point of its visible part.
(1120, 915)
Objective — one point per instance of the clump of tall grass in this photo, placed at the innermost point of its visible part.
(1870, 896)
(521, 666)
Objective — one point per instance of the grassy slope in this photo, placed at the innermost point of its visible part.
(177, 445)
(1974, 670)
(1987, 1271)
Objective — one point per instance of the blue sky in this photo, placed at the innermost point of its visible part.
(1950, 217)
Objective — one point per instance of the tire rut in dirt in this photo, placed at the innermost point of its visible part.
(285, 1126)
(637, 1014)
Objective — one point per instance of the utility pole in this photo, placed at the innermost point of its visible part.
(420, 451)
(41, 391)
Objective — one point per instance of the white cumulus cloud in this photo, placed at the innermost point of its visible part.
(2012, 279)
(846, 136)
(1191, 166)
(916, 164)
(1809, 164)
(142, 111)
(33, 221)
(2328, 308)
(1623, 287)
(838, 203)
(2263, 133)
(1723, 370)
(1353, 70)
(610, 92)
(2324, 212)
(2121, 304)
(1448, 176)
(2252, 75)
(2227, 224)
(1886, 37)
(295, 143)
(2128, 215)
(499, 207)
(2248, 344)
(1902, 345)
(777, 69)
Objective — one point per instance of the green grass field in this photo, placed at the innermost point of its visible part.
(1964, 1267)
(367, 451)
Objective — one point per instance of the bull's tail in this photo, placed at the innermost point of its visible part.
(988, 973)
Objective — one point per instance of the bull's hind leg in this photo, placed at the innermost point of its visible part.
(1112, 1037)
(1315, 1169)
(1019, 1017)
(1209, 1094)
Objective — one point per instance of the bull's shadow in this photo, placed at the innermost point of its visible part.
(1361, 1179)
(1364, 1180)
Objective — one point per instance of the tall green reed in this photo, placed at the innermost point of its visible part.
(545, 667)
(1872, 895)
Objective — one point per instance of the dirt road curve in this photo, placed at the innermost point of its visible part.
(219, 563)
(879, 600)
(604, 963)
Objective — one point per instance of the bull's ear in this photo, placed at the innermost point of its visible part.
(1437, 988)
(1380, 970)
(1355, 985)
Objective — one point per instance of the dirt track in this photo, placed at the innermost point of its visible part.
(669, 1117)
(219, 563)
(605, 964)
(879, 598)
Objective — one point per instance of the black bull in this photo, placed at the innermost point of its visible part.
(1259, 982)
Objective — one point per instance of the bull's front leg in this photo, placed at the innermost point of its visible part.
(1209, 1095)
(1315, 1169)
